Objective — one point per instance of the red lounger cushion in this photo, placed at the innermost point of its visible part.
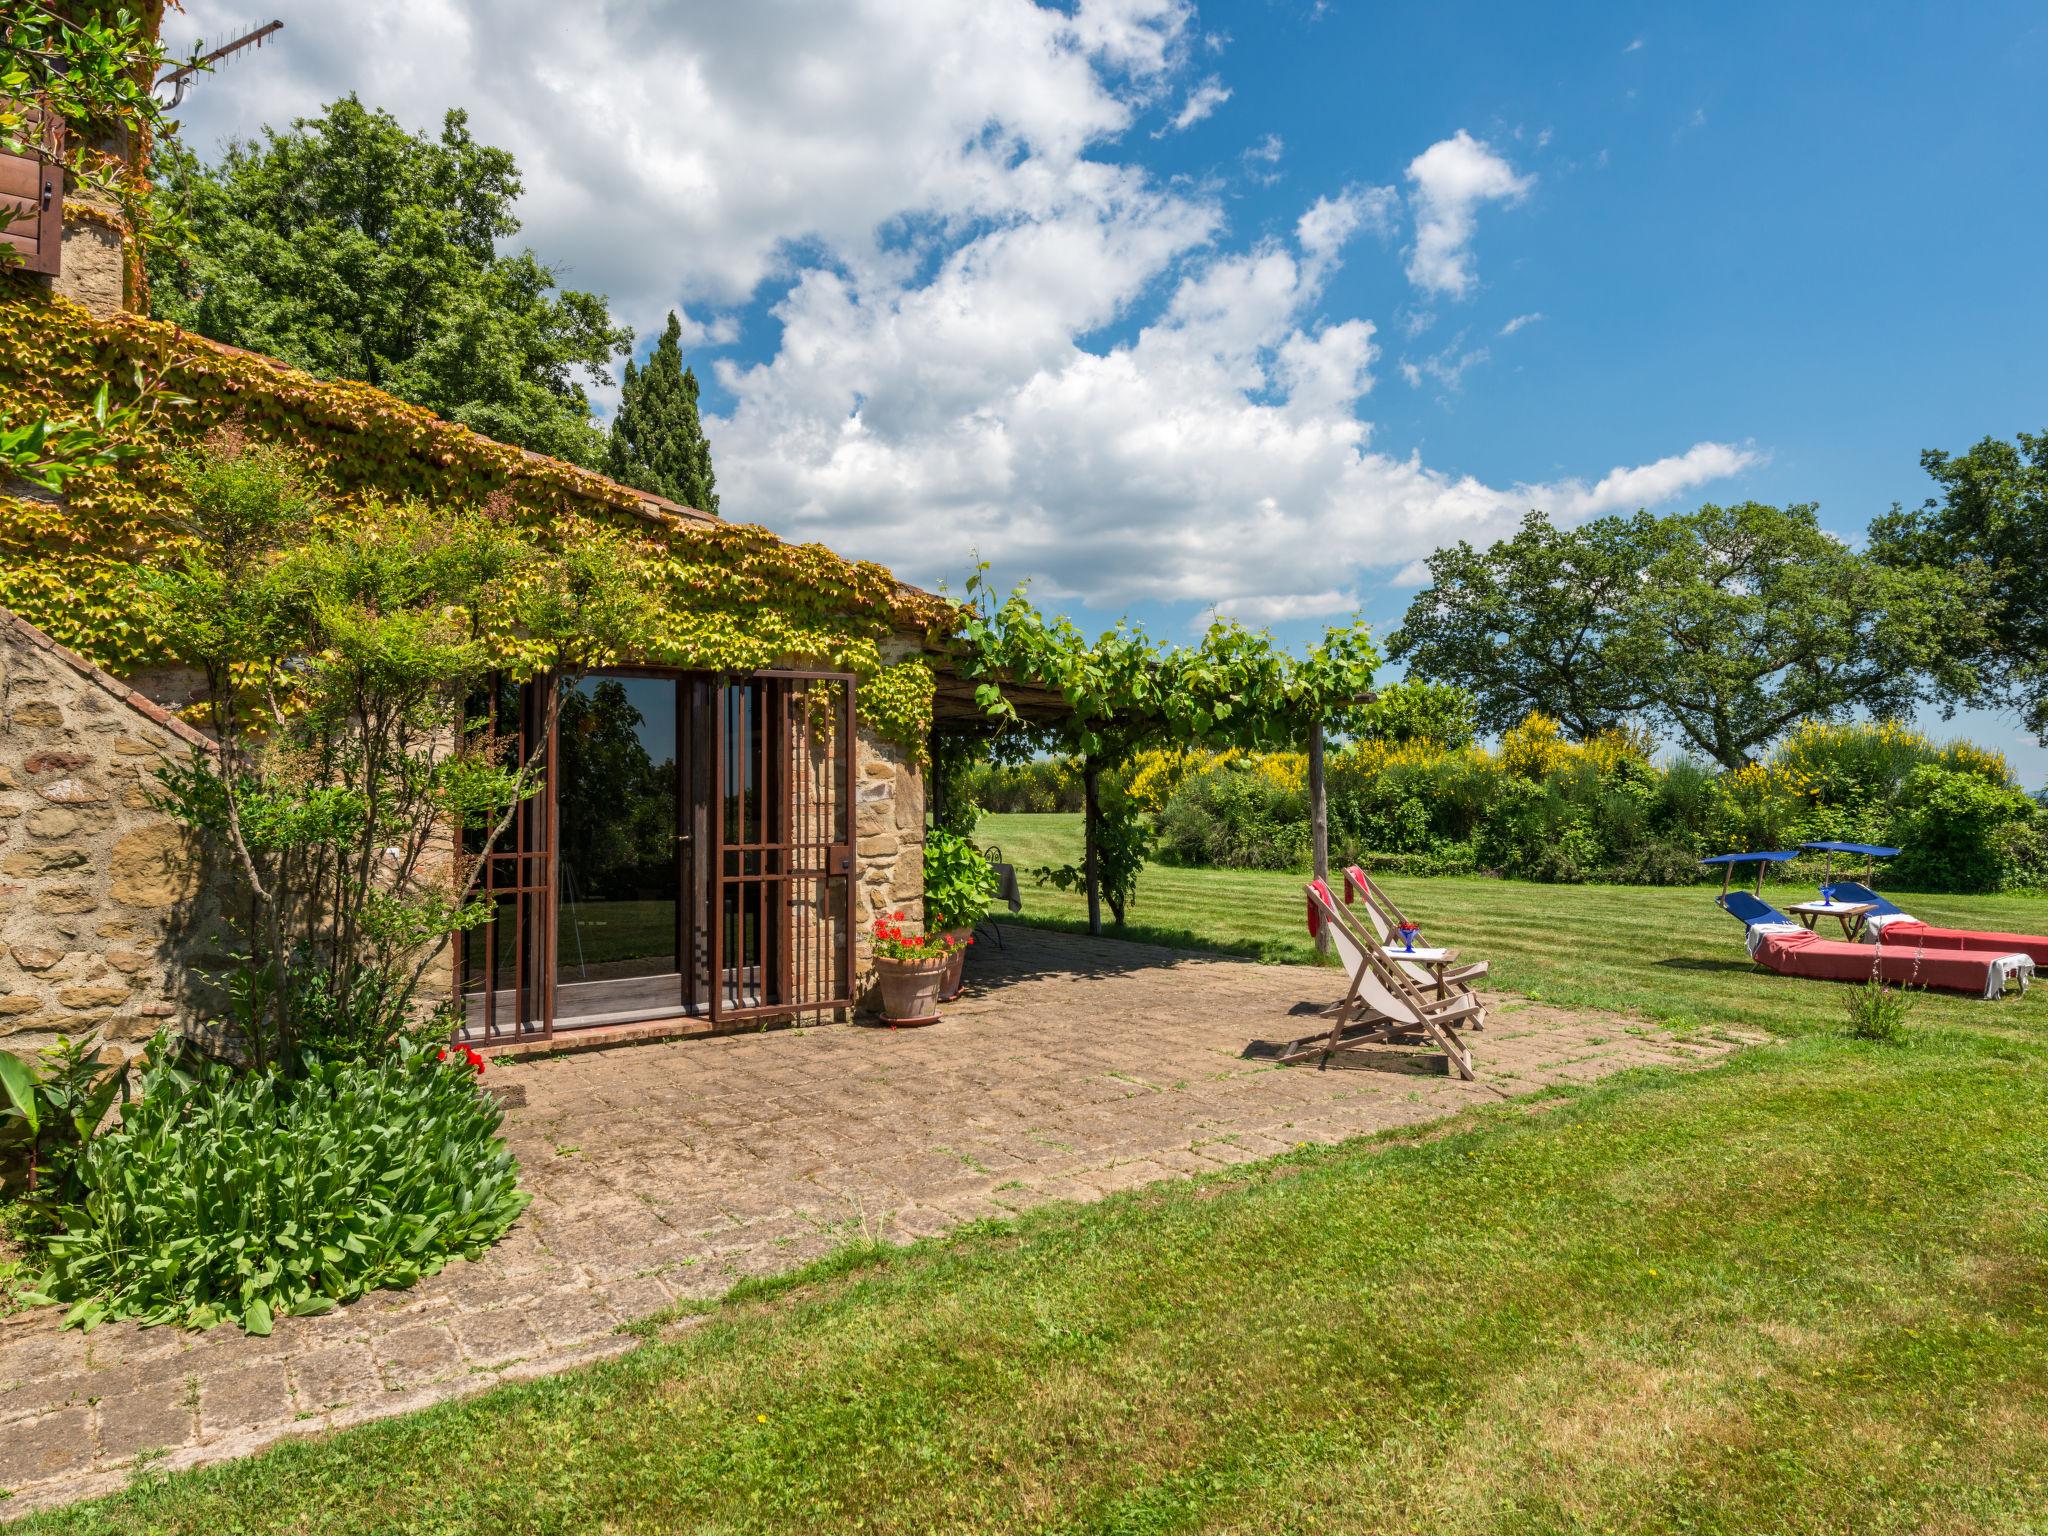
(1910, 932)
(1808, 954)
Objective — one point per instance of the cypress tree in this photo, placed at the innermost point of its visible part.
(658, 442)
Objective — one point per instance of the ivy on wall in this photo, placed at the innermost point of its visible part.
(734, 597)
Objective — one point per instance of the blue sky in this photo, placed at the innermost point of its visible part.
(1250, 305)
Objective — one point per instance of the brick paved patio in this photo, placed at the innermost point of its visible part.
(1074, 1068)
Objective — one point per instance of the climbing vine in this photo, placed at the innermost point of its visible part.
(732, 597)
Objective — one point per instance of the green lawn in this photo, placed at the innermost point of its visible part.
(1803, 1291)
(1667, 953)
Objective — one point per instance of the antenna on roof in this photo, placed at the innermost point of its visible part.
(181, 77)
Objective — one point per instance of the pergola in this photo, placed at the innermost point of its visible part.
(957, 712)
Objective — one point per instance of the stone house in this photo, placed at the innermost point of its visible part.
(776, 838)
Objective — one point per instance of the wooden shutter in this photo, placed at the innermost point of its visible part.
(32, 189)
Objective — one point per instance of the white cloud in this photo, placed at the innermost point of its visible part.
(1624, 490)
(1521, 321)
(1203, 100)
(1452, 178)
(1635, 46)
(1447, 367)
(989, 329)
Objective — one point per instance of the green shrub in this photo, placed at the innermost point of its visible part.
(1953, 830)
(1229, 818)
(2021, 851)
(1442, 859)
(49, 1114)
(244, 1195)
(959, 883)
(1038, 785)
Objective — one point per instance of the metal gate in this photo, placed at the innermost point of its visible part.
(505, 968)
(782, 867)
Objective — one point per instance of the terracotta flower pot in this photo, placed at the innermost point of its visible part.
(910, 989)
(956, 963)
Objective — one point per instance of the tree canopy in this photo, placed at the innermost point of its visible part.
(354, 249)
(1989, 527)
(1527, 624)
(657, 437)
(1724, 626)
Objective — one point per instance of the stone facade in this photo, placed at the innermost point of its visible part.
(888, 830)
(104, 900)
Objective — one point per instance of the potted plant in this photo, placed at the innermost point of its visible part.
(959, 889)
(911, 967)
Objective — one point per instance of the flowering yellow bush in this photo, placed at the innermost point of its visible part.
(1158, 771)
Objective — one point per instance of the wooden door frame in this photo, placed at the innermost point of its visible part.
(838, 852)
(536, 968)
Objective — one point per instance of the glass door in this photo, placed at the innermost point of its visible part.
(622, 925)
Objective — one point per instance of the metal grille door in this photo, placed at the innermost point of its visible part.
(504, 982)
(782, 871)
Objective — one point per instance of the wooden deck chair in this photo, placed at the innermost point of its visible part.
(1382, 1005)
(1384, 918)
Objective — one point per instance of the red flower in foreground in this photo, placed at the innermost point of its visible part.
(468, 1055)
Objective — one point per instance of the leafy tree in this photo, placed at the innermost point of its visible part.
(1990, 527)
(353, 249)
(1749, 619)
(1726, 626)
(1527, 625)
(1416, 711)
(657, 439)
(340, 651)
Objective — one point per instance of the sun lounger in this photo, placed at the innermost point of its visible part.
(1890, 926)
(1383, 1004)
(1779, 944)
(1384, 918)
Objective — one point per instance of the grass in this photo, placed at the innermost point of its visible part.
(1803, 1291)
(1668, 954)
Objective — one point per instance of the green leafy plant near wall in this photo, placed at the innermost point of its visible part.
(732, 597)
(246, 1196)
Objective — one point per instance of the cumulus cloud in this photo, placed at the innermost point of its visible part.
(970, 321)
(1452, 178)
(1520, 321)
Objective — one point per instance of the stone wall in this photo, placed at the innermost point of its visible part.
(104, 900)
(888, 829)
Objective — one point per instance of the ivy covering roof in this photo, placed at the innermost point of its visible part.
(735, 596)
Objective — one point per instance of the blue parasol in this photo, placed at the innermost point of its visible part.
(1728, 861)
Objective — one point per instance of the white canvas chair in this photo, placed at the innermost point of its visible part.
(1384, 918)
(1382, 1004)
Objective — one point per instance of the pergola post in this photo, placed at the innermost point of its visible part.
(1318, 818)
(1090, 820)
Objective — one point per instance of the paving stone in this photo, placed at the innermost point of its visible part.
(416, 1353)
(492, 1338)
(244, 1395)
(340, 1373)
(156, 1418)
(39, 1449)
